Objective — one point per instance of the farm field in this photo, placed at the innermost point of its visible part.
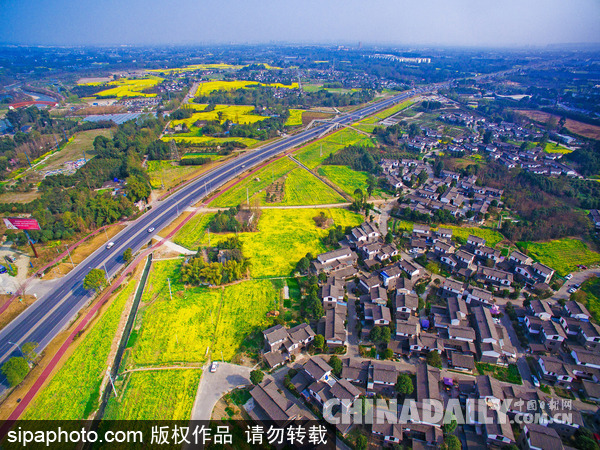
(562, 255)
(552, 147)
(192, 233)
(590, 295)
(583, 129)
(295, 118)
(207, 140)
(164, 172)
(387, 113)
(244, 310)
(347, 179)
(256, 182)
(312, 155)
(73, 392)
(492, 237)
(156, 394)
(234, 113)
(73, 150)
(303, 188)
(202, 321)
(191, 315)
(285, 236)
(127, 87)
(211, 86)
(318, 87)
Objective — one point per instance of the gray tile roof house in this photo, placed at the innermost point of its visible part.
(335, 331)
(276, 407)
(462, 362)
(427, 382)
(536, 436)
(408, 327)
(486, 328)
(355, 370)
(317, 368)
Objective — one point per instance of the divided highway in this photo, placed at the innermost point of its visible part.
(42, 321)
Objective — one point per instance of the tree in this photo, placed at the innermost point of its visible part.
(451, 442)
(361, 443)
(404, 385)
(448, 428)
(434, 359)
(94, 280)
(15, 370)
(388, 353)
(336, 365)
(28, 350)
(303, 265)
(127, 255)
(256, 376)
(319, 341)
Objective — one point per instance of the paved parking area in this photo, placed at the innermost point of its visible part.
(214, 385)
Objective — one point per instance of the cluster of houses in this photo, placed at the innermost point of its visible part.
(479, 398)
(460, 196)
(565, 344)
(477, 261)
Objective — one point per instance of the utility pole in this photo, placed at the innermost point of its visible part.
(170, 293)
(70, 256)
(247, 198)
(105, 234)
(106, 271)
(111, 381)
(208, 231)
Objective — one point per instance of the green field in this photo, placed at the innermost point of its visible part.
(285, 236)
(295, 118)
(345, 178)
(563, 255)
(73, 392)
(492, 237)
(192, 233)
(315, 153)
(154, 395)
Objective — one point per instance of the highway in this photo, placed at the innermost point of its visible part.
(42, 321)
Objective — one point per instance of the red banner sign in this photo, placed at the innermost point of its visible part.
(21, 224)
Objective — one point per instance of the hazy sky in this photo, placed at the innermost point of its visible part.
(446, 22)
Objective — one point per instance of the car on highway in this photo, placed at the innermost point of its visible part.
(535, 381)
(10, 259)
(569, 276)
(109, 245)
(150, 230)
(213, 367)
(3, 269)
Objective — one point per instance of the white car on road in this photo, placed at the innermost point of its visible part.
(213, 367)
(109, 245)
(568, 277)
